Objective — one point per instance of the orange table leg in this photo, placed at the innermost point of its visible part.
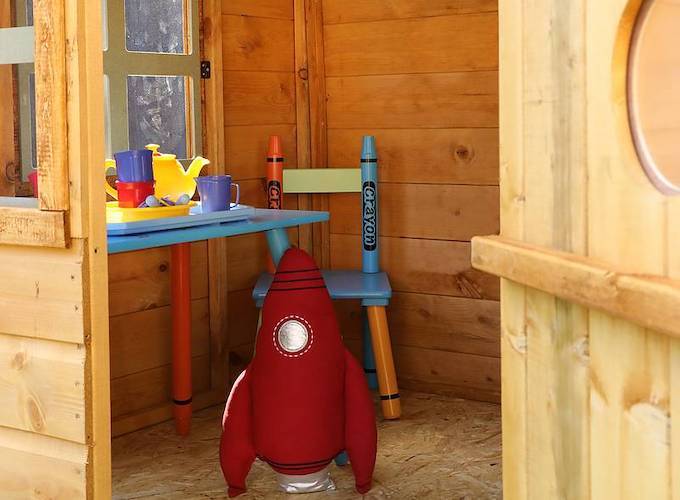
(180, 281)
(382, 349)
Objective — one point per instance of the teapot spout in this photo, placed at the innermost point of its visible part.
(196, 166)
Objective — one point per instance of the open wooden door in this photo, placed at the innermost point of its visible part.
(54, 358)
(590, 255)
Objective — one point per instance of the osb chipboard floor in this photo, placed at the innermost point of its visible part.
(442, 448)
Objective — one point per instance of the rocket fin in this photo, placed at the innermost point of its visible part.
(360, 431)
(237, 451)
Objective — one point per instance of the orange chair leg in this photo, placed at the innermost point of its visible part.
(382, 349)
(180, 281)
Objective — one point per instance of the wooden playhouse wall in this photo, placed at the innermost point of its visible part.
(422, 76)
(591, 250)
(320, 74)
(54, 392)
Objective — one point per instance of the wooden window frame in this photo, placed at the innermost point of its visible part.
(46, 224)
(119, 63)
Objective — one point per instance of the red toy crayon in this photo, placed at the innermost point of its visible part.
(275, 173)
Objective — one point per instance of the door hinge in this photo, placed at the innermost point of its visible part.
(205, 70)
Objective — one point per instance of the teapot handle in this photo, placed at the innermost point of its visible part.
(153, 148)
(109, 189)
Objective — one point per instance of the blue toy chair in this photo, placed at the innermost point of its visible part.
(370, 285)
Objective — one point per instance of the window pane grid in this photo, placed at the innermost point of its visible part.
(154, 115)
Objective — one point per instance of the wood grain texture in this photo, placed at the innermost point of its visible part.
(254, 43)
(423, 266)
(318, 119)
(36, 466)
(247, 149)
(243, 319)
(649, 301)
(9, 115)
(419, 211)
(449, 373)
(513, 297)
(276, 9)
(52, 283)
(439, 100)
(259, 98)
(24, 226)
(247, 258)
(303, 110)
(427, 156)
(337, 11)
(445, 323)
(145, 390)
(141, 280)
(50, 90)
(43, 387)
(427, 45)
(163, 412)
(214, 142)
(143, 340)
(629, 404)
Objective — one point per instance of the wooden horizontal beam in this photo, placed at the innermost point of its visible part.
(30, 226)
(650, 301)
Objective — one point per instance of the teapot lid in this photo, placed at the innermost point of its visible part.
(155, 147)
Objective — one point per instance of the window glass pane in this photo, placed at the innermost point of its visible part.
(654, 92)
(156, 26)
(157, 113)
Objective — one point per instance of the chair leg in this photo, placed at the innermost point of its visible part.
(369, 358)
(382, 348)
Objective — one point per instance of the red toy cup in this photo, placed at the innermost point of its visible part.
(132, 194)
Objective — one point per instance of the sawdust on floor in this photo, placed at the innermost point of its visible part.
(442, 448)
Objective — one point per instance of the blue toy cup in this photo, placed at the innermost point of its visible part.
(215, 192)
(135, 165)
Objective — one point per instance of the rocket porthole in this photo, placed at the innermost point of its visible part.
(293, 336)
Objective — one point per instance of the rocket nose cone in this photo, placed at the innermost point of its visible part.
(275, 148)
(295, 259)
(368, 150)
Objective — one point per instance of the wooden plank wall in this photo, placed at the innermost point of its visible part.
(54, 426)
(258, 53)
(141, 330)
(422, 76)
(590, 400)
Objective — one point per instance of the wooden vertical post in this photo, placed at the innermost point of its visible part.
(8, 117)
(318, 121)
(215, 150)
(50, 90)
(513, 296)
(302, 108)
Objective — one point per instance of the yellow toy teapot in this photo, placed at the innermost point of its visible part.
(171, 178)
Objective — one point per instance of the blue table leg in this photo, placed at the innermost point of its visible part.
(278, 242)
(369, 358)
(342, 459)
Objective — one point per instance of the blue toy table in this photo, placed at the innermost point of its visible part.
(272, 222)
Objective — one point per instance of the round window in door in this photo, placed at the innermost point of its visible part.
(654, 92)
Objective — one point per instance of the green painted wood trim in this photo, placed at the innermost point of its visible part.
(119, 63)
(17, 45)
(322, 180)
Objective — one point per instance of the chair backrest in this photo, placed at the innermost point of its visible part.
(362, 180)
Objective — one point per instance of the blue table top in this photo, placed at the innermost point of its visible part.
(263, 220)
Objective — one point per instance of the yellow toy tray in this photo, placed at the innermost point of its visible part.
(116, 214)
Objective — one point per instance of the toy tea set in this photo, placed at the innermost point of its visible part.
(152, 186)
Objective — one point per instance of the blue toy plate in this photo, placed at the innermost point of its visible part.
(195, 218)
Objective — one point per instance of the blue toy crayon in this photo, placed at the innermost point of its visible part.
(369, 202)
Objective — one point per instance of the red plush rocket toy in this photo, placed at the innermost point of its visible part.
(303, 399)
